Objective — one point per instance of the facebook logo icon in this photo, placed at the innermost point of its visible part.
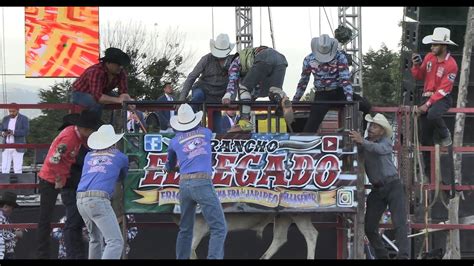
(152, 142)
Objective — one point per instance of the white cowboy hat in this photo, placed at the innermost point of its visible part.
(324, 48)
(186, 118)
(440, 36)
(380, 120)
(221, 47)
(103, 138)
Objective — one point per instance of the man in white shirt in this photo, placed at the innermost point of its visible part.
(14, 128)
(135, 119)
(164, 116)
(229, 119)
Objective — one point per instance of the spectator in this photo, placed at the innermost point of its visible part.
(58, 234)
(164, 115)
(229, 119)
(15, 127)
(8, 237)
(135, 119)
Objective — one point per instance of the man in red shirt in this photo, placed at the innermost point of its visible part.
(439, 70)
(94, 87)
(56, 170)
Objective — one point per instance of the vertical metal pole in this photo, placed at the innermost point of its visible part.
(212, 17)
(271, 27)
(319, 17)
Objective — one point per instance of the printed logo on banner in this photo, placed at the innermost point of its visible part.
(330, 144)
(345, 197)
(152, 142)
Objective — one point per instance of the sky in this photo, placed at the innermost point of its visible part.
(293, 28)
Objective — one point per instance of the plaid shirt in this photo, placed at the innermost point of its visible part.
(95, 81)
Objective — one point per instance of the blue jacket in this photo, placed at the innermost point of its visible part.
(225, 123)
(141, 116)
(163, 116)
(22, 128)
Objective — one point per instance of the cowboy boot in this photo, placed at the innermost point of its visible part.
(288, 113)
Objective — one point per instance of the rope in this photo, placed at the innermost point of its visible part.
(310, 28)
(417, 156)
(329, 22)
(212, 21)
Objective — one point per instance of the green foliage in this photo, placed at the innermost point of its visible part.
(151, 66)
(382, 77)
(309, 96)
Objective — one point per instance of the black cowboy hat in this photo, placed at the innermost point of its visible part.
(115, 55)
(9, 198)
(87, 119)
(69, 120)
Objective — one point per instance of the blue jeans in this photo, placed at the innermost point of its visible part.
(198, 95)
(202, 192)
(101, 222)
(86, 100)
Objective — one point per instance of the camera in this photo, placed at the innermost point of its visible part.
(417, 59)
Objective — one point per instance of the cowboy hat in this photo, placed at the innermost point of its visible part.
(69, 120)
(440, 36)
(186, 118)
(86, 119)
(103, 138)
(9, 198)
(115, 55)
(324, 48)
(380, 120)
(221, 47)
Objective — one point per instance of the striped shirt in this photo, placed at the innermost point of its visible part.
(332, 74)
(7, 238)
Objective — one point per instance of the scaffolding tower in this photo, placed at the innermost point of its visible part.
(350, 17)
(243, 23)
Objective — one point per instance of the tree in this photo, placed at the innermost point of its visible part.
(382, 78)
(154, 61)
(453, 250)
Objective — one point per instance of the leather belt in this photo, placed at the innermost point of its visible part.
(382, 183)
(199, 175)
(93, 193)
(325, 89)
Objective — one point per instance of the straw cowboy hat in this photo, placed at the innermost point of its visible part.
(103, 138)
(440, 36)
(86, 118)
(221, 47)
(380, 120)
(186, 118)
(324, 48)
(9, 198)
(115, 55)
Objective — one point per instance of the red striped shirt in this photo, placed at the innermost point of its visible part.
(94, 81)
